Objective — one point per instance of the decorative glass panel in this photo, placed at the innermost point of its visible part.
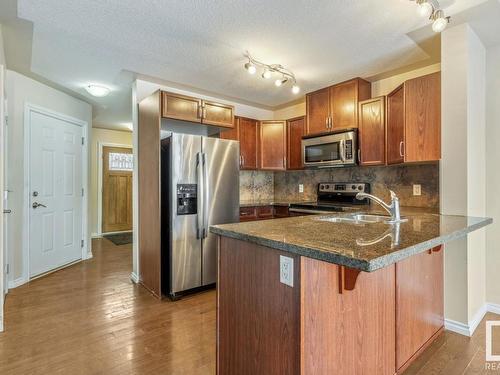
(121, 162)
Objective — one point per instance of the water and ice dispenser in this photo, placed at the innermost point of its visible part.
(187, 199)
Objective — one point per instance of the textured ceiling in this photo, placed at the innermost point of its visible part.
(201, 44)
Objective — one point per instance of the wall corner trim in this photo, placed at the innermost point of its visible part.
(493, 308)
(469, 329)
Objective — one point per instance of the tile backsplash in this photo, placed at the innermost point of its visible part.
(256, 185)
(284, 186)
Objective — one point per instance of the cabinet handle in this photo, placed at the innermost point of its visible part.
(203, 112)
(331, 122)
(359, 155)
(326, 122)
(199, 114)
(401, 147)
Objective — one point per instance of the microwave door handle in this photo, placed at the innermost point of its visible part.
(200, 190)
(342, 151)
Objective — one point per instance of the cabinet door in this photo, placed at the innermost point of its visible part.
(231, 133)
(423, 118)
(272, 145)
(218, 114)
(372, 131)
(419, 303)
(296, 129)
(248, 143)
(344, 105)
(181, 107)
(395, 126)
(318, 111)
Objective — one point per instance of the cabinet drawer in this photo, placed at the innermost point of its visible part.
(266, 212)
(248, 213)
(281, 211)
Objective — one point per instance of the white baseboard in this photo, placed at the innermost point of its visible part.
(134, 277)
(17, 282)
(89, 255)
(457, 327)
(469, 329)
(493, 308)
(96, 235)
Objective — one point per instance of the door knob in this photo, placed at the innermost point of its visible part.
(7, 211)
(36, 205)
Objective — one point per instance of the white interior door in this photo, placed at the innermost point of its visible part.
(55, 193)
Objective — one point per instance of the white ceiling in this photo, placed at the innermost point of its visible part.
(201, 44)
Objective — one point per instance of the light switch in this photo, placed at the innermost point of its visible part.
(286, 270)
(301, 188)
(417, 189)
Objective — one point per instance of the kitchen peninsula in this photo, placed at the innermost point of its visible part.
(331, 294)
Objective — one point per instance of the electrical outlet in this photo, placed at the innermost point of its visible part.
(417, 189)
(286, 270)
(301, 188)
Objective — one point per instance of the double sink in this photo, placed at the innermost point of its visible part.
(360, 218)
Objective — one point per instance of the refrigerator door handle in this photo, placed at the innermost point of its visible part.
(205, 198)
(200, 189)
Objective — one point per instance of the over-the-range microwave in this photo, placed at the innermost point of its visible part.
(336, 149)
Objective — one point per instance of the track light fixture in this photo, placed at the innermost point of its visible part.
(432, 10)
(268, 70)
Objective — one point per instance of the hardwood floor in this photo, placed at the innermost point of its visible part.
(90, 319)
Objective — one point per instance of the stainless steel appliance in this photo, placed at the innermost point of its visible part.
(199, 188)
(335, 197)
(332, 150)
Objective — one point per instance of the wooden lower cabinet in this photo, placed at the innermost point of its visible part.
(420, 303)
(333, 321)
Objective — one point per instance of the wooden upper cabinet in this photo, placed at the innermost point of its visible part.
(318, 111)
(217, 114)
(231, 133)
(336, 107)
(344, 99)
(423, 118)
(272, 145)
(296, 129)
(414, 121)
(187, 108)
(372, 131)
(180, 107)
(419, 310)
(247, 130)
(395, 126)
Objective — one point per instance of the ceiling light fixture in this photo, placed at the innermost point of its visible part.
(250, 67)
(432, 10)
(97, 90)
(269, 69)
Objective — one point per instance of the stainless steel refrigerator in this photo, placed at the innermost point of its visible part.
(200, 187)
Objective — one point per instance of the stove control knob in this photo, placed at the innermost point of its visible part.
(321, 187)
(327, 187)
(353, 187)
(360, 187)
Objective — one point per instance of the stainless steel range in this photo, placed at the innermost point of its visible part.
(335, 197)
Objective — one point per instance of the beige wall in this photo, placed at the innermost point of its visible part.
(386, 85)
(101, 136)
(493, 174)
(22, 90)
(294, 110)
(463, 180)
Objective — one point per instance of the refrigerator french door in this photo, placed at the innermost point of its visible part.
(200, 187)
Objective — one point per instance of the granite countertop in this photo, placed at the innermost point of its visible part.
(362, 246)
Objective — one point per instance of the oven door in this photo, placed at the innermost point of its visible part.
(324, 151)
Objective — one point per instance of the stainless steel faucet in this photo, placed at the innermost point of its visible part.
(392, 209)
